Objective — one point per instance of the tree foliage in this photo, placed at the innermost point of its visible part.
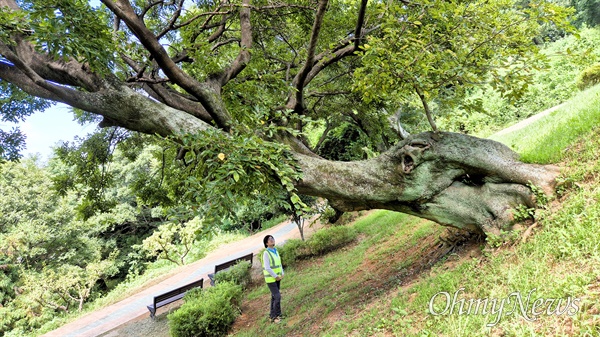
(248, 69)
(588, 12)
(220, 63)
(436, 51)
(49, 259)
(173, 241)
(231, 88)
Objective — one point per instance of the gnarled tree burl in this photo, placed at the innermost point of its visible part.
(450, 178)
(162, 67)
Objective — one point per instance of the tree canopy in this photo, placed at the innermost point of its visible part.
(235, 85)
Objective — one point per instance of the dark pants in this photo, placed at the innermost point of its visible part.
(275, 299)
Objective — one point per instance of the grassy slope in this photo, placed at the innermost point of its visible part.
(382, 285)
(545, 140)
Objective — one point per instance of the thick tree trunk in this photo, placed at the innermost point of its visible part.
(453, 179)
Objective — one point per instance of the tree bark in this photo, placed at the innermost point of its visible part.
(453, 179)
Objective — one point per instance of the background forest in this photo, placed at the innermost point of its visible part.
(115, 208)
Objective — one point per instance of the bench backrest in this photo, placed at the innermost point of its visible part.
(180, 290)
(228, 264)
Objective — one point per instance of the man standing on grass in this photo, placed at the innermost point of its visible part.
(273, 272)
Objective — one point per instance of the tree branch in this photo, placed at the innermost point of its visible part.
(205, 25)
(142, 79)
(221, 29)
(68, 72)
(298, 102)
(396, 125)
(359, 23)
(10, 4)
(10, 73)
(149, 7)
(345, 48)
(222, 43)
(426, 107)
(243, 57)
(171, 25)
(133, 110)
(61, 93)
(211, 15)
(209, 97)
(175, 100)
(328, 128)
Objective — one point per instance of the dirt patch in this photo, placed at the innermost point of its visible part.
(407, 264)
(385, 271)
(450, 245)
(252, 312)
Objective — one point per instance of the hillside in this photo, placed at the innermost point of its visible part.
(383, 283)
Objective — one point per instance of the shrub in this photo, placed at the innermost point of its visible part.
(328, 214)
(238, 274)
(328, 239)
(207, 313)
(292, 251)
(589, 77)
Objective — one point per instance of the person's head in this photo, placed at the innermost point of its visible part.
(269, 241)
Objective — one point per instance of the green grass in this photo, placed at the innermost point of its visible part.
(367, 289)
(331, 297)
(545, 140)
(334, 296)
(338, 283)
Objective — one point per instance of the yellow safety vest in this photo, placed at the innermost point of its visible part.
(275, 263)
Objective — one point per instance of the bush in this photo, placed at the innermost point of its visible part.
(328, 239)
(292, 251)
(209, 312)
(329, 215)
(238, 274)
(589, 77)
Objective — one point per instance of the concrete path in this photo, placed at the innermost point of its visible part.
(528, 121)
(134, 307)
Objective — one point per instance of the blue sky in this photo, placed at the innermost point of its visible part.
(47, 129)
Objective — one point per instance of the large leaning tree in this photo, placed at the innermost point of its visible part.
(236, 83)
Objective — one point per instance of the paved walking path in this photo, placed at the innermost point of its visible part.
(528, 121)
(134, 307)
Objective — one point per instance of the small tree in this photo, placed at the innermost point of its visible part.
(173, 241)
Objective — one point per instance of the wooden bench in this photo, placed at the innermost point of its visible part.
(231, 263)
(172, 296)
(228, 264)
